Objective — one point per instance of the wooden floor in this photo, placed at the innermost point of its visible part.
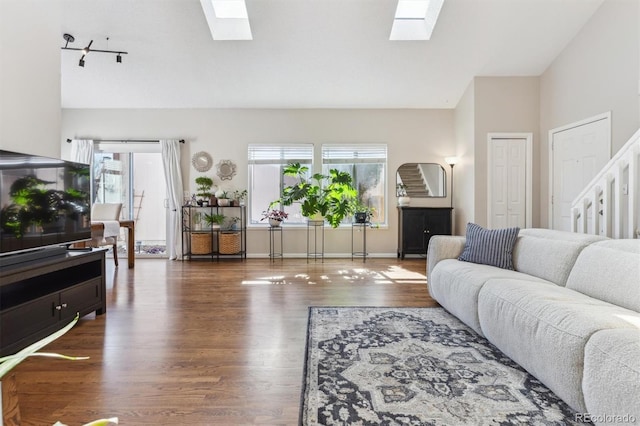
(200, 343)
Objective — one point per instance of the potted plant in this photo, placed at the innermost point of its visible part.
(331, 196)
(240, 197)
(232, 224)
(204, 184)
(223, 198)
(274, 216)
(197, 221)
(362, 212)
(214, 220)
(401, 192)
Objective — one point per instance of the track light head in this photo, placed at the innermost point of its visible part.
(119, 58)
(81, 63)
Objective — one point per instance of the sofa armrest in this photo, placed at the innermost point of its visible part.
(443, 247)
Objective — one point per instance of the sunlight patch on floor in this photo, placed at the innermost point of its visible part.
(273, 280)
(401, 275)
(256, 282)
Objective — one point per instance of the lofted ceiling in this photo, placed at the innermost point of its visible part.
(305, 53)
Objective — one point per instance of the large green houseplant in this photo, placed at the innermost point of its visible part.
(331, 196)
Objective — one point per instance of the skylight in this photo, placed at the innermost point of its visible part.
(415, 19)
(227, 19)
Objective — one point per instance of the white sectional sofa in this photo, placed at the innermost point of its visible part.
(569, 313)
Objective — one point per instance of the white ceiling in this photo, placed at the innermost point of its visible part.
(305, 53)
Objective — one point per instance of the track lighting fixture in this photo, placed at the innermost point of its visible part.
(68, 38)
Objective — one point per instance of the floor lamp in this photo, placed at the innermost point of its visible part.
(452, 161)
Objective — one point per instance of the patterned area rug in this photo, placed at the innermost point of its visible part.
(415, 366)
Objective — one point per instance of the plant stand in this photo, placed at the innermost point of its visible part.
(357, 227)
(275, 233)
(315, 254)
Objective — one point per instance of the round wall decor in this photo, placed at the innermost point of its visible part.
(226, 169)
(202, 161)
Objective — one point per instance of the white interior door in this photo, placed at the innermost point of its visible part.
(578, 152)
(508, 201)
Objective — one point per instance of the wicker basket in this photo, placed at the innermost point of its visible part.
(229, 242)
(201, 243)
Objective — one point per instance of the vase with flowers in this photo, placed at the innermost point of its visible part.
(274, 216)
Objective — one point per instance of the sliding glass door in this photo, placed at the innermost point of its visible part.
(135, 179)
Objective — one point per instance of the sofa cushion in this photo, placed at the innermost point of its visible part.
(442, 247)
(610, 271)
(549, 254)
(456, 284)
(545, 328)
(611, 382)
(489, 246)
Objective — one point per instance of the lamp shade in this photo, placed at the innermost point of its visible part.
(452, 161)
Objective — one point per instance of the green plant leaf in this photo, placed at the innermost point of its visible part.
(16, 359)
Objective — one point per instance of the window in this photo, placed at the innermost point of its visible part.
(367, 164)
(266, 178)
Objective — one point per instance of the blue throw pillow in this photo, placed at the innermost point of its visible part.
(490, 246)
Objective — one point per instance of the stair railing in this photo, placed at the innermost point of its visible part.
(609, 204)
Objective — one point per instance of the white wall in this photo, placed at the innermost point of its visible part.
(507, 105)
(490, 104)
(30, 41)
(412, 136)
(464, 171)
(597, 72)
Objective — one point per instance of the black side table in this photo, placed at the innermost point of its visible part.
(275, 233)
(315, 254)
(357, 227)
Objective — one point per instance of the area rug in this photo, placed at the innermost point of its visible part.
(415, 366)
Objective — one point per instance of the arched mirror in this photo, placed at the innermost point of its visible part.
(422, 180)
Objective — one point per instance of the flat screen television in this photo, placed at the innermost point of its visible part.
(44, 202)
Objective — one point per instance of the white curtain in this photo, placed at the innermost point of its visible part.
(173, 179)
(82, 151)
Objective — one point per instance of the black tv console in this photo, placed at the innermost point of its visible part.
(39, 297)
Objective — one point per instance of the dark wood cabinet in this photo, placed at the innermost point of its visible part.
(416, 225)
(41, 296)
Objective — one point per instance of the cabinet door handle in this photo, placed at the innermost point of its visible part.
(58, 308)
(64, 305)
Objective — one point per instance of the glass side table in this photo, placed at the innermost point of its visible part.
(315, 254)
(275, 234)
(357, 227)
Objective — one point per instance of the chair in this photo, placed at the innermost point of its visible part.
(109, 215)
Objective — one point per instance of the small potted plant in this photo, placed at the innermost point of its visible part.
(203, 192)
(401, 192)
(362, 212)
(240, 197)
(275, 217)
(223, 198)
(214, 220)
(231, 224)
